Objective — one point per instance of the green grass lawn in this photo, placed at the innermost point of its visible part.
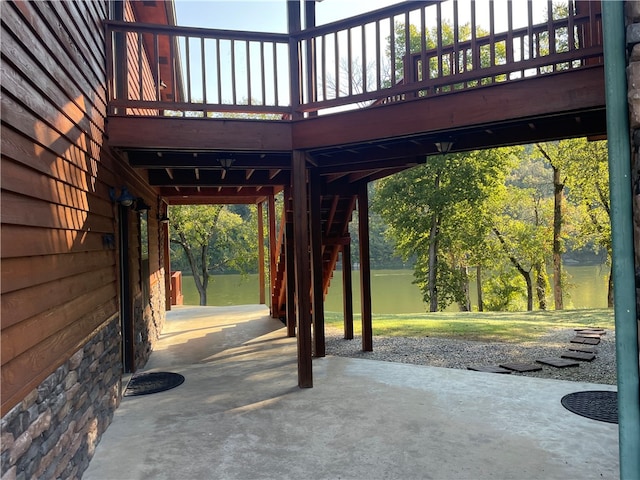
(480, 326)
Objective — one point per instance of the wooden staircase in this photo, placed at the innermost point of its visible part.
(336, 213)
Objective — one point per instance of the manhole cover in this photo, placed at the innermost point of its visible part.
(595, 404)
(152, 382)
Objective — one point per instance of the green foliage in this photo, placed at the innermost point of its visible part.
(214, 238)
(456, 190)
(480, 326)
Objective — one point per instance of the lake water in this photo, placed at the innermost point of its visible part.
(393, 290)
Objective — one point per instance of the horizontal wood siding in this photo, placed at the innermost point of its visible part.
(59, 270)
(140, 80)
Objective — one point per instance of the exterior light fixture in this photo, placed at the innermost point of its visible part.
(226, 163)
(125, 198)
(163, 219)
(162, 85)
(141, 206)
(444, 147)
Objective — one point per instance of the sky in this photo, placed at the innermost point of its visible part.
(263, 15)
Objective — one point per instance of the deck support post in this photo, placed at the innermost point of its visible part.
(290, 265)
(347, 292)
(315, 204)
(365, 268)
(261, 277)
(302, 266)
(625, 292)
(273, 266)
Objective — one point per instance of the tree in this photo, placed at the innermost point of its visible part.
(437, 213)
(213, 237)
(587, 183)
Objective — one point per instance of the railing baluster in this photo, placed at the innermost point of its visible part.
(248, 53)
(233, 72)
(392, 43)
(455, 66)
(349, 64)
(337, 64)
(364, 59)
(156, 59)
(188, 60)
(424, 70)
(140, 73)
(323, 67)
(218, 71)
(378, 59)
(203, 59)
(263, 89)
(275, 74)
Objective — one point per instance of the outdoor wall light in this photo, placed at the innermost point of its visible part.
(226, 162)
(163, 219)
(444, 147)
(125, 198)
(141, 206)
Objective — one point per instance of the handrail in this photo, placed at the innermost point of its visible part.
(368, 60)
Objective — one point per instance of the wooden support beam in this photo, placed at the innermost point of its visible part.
(347, 292)
(290, 271)
(365, 269)
(261, 276)
(302, 266)
(315, 205)
(273, 261)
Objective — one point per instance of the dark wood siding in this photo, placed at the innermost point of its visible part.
(59, 271)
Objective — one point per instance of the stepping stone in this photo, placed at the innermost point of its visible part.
(586, 340)
(489, 369)
(521, 367)
(591, 329)
(583, 349)
(589, 335)
(557, 362)
(579, 356)
(591, 332)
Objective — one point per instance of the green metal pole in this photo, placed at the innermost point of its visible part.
(613, 25)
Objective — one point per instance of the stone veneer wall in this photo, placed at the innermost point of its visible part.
(148, 322)
(53, 432)
(632, 10)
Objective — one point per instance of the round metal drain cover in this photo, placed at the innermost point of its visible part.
(152, 382)
(595, 404)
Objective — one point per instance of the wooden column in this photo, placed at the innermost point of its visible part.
(315, 205)
(273, 265)
(290, 266)
(347, 292)
(166, 256)
(365, 269)
(302, 266)
(294, 26)
(261, 277)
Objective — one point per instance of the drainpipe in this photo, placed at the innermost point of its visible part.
(622, 238)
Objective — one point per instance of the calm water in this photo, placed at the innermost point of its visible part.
(393, 291)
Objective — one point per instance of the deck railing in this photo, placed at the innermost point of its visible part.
(409, 50)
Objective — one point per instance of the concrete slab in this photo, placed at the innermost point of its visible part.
(240, 415)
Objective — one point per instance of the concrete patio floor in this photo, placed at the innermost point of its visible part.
(240, 415)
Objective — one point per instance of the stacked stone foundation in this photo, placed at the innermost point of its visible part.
(53, 432)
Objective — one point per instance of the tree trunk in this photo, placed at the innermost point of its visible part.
(466, 305)
(433, 255)
(433, 264)
(529, 281)
(514, 261)
(541, 287)
(201, 283)
(610, 288)
(479, 288)
(558, 187)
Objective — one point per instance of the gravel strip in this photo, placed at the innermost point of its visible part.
(452, 353)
